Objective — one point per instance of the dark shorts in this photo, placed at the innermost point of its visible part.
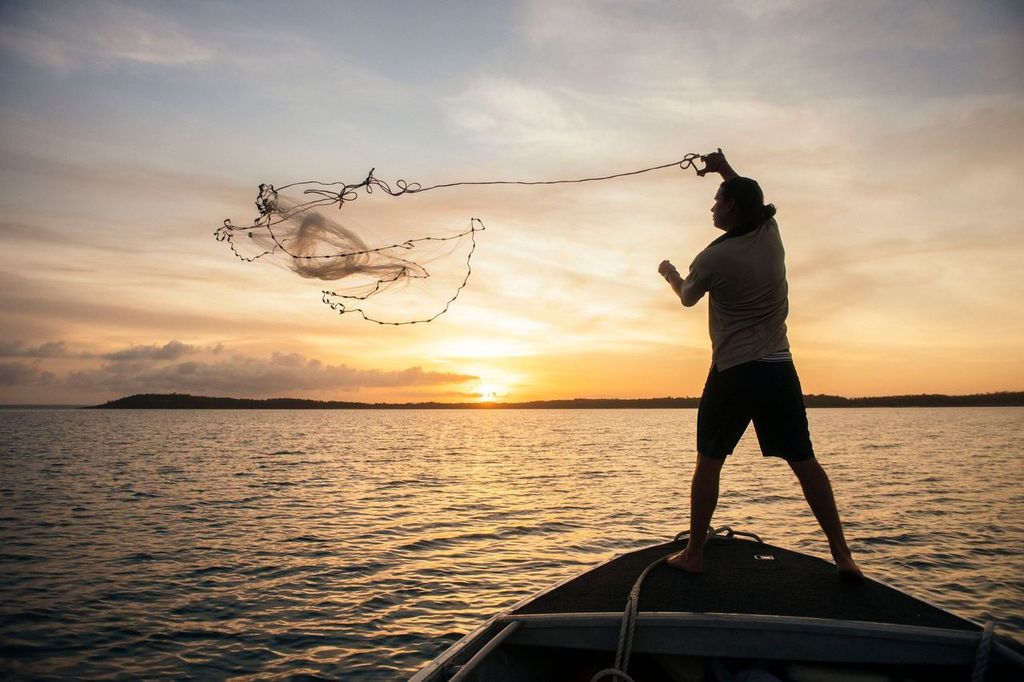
(767, 393)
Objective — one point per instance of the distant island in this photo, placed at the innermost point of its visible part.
(179, 401)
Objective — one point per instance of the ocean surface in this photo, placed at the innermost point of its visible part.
(357, 545)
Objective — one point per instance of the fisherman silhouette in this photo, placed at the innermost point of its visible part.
(752, 376)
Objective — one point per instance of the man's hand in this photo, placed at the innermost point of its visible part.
(666, 268)
(715, 163)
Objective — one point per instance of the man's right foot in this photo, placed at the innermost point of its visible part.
(848, 570)
(684, 562)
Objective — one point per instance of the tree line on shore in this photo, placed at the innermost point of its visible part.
(180, 401)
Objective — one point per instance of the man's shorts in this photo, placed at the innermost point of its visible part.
(767, 393)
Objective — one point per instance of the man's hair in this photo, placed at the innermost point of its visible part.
(749, 200)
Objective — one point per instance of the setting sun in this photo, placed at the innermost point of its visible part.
(491, 392)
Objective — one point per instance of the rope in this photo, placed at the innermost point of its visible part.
(628, 628)
(267, 203)
(348, 192)
(982, 654)
(626, 632)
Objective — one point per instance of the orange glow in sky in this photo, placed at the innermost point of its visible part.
(131, 131)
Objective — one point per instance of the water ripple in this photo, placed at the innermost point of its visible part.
(357, 545)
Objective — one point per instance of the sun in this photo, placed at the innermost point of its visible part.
(489, 393)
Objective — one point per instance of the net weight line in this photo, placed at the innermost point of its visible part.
(339, 307)
(271, 214)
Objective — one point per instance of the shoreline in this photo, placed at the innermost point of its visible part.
(178, 401)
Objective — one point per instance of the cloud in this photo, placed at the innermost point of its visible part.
(18, 349)
(90, 35)
(172, 350)
(148, 368)
(108, 176)
(512, 113)
(281, 373)
(20, 374)
(776, 50)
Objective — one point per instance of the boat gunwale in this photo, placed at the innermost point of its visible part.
(743, 620)
(916, 643)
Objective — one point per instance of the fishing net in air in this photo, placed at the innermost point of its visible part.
(406, 270)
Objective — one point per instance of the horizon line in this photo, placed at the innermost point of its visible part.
(497, 403)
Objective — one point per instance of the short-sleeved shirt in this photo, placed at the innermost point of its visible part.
(745, 276)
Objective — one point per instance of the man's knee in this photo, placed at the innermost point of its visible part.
(807, 467)
(709, 464)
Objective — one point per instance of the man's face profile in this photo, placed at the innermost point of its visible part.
(722, 211)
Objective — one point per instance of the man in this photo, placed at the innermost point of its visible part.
(752, 375)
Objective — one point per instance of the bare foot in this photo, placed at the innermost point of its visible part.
(848, 569)
(682, 561)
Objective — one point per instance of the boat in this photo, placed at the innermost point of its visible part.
(759, 613)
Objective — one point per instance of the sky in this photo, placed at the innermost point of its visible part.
(889, 135)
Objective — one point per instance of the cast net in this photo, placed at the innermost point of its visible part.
(407, 269)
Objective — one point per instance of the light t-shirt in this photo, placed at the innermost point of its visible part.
(745, 276)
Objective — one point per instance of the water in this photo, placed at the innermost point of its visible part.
(357, 545)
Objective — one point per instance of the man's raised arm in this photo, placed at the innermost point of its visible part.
(691, 289)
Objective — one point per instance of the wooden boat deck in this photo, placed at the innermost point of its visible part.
(739, 578)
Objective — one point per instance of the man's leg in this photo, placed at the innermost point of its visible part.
(818, 492)
(703, 500)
